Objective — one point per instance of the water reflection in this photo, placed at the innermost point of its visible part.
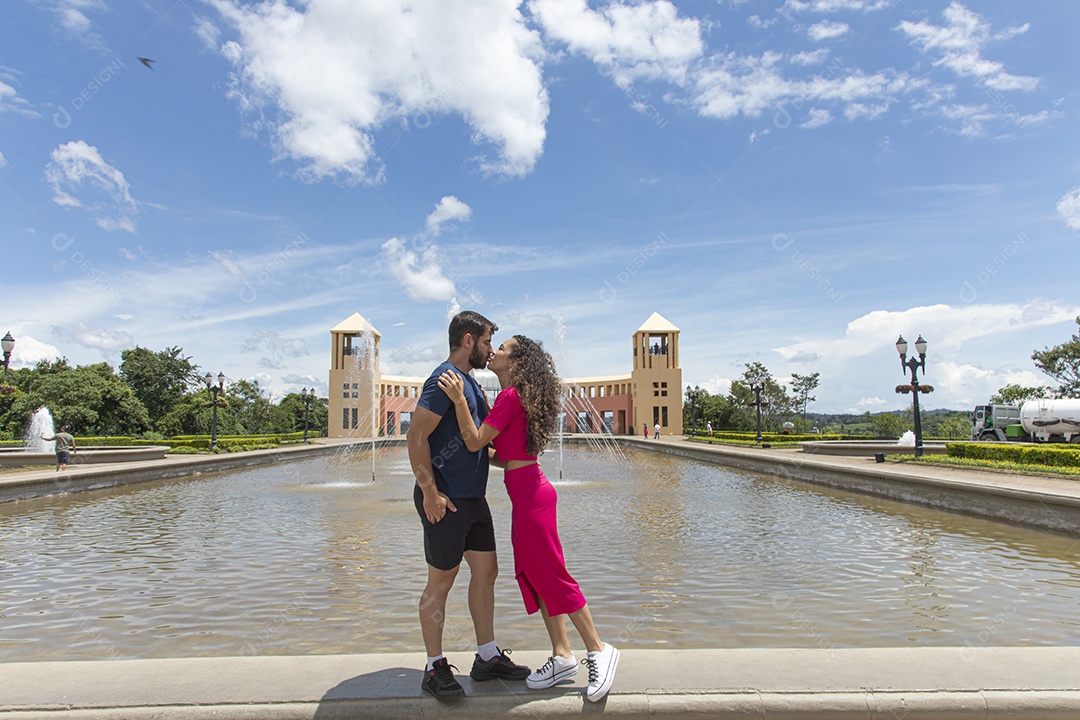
(315, 557)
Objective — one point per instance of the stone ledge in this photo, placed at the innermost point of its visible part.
(877, 684)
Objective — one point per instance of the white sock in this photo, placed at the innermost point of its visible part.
(487, 651)
(432, 660)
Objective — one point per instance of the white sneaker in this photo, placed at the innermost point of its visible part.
(556, 670)
(601, 672)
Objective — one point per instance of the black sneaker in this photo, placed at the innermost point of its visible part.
(499, 667)
(440, 682)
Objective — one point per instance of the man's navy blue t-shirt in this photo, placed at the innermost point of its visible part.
(458, 472)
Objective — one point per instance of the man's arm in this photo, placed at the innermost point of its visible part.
(423, 424)
(475, 438)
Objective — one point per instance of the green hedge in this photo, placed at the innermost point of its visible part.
(1051, 455)
(269, 437)
(190, 443)
(767, 436)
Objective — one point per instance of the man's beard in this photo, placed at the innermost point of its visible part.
(477, 359)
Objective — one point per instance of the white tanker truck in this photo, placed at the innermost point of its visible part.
(1034, 421)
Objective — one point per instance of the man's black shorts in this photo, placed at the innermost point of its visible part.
(63, 457)
(470, 528)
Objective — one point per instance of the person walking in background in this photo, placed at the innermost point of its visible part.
(657, 428)
(645, 430)
(451, 484)
(708, 428)
(65, 447)
(522, 420)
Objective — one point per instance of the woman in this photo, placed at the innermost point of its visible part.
(523, 418)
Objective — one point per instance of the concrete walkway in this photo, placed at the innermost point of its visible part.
(893, 683)
(885, 683)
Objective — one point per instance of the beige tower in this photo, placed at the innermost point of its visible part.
(657, 377)
(354, 379)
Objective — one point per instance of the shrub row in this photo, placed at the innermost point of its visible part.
(269, 437)
(768, 436)
(189, 443)
(1051, 455)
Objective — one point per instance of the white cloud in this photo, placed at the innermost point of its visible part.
(73, 20)
(449, 209)
(645, 40)
(400, 62)
(810, 58)
(828, 6)
(826, 30)
(274, 349)
(420, 274)
(78, 169)
(953, 325)
(71, 14)
(419, 266)
(9, 96)
(96, 337)
(755, 21)
(29, 351)
(867, 403)
(856, 111)
(1068, 208)
(730, 85)
(959, 44)
(717, 385)
(818, 117)
(227, 262)
(208, 32)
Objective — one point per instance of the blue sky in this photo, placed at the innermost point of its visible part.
(794, 183)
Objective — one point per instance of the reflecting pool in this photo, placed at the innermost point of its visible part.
(311, 557)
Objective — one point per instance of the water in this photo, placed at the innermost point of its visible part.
(908, 439)
(41, 423)
(311, 557)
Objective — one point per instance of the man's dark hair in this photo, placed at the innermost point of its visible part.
(66, 428)
(472, 323)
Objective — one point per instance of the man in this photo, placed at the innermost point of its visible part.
(65, 447)
(449, 496)
(656, 427)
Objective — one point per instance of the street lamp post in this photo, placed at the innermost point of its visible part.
(757, 384)
(692, 394)
(307, 398)
(914, 365)
(7, 344)
(215, 390)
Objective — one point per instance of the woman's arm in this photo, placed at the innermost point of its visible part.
(454, 387)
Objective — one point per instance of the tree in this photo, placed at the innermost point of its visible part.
(1062, 363)
(250, 409)
(892, 425)
(190, 416)
(289, 414)
(92, 399)
(949, 425)
(776, 404)
(802, 386)
(1016, 394)
(158, 379)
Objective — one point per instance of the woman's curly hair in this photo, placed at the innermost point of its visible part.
(533, 374)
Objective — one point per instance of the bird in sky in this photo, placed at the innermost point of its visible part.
(146, 61)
